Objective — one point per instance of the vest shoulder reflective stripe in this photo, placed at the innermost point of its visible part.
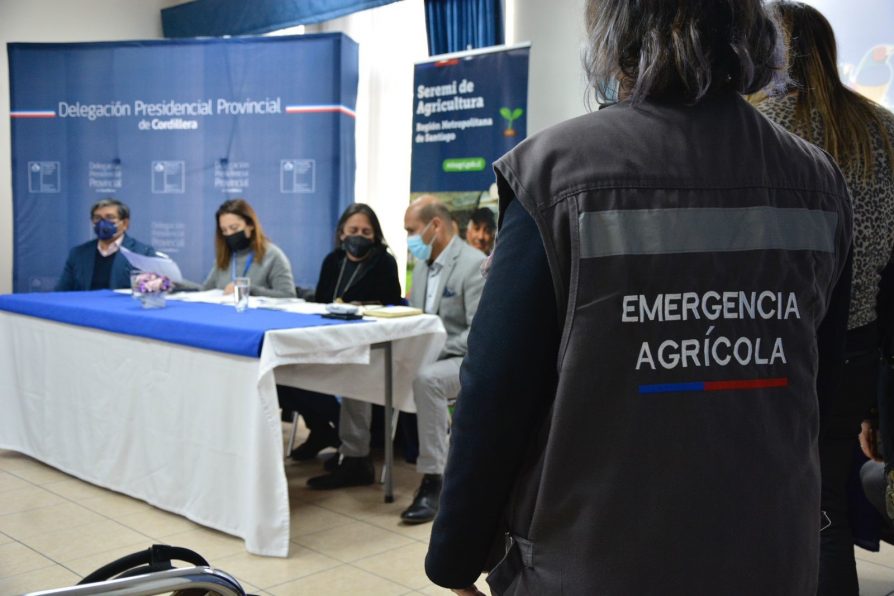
(696, 230)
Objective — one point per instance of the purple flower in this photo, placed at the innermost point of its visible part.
(153, 283)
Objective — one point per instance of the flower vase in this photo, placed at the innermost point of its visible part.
(153, 299)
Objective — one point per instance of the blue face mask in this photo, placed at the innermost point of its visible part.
(105, 230)
(417, 246)
(609, 93)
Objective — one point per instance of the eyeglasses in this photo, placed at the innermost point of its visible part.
(112, 219)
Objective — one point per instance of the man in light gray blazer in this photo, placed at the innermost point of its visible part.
(447, 281)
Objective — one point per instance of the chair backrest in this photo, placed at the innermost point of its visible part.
(305, 293)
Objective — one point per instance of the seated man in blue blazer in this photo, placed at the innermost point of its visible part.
(98, 265)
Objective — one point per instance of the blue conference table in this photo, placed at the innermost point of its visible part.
(177, 406)
(213, 327)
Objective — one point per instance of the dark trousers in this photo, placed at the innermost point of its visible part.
(838, 569)
(872, 478)
(320, 411)
(839, 428)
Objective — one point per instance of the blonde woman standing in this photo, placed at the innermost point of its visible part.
(859, 135)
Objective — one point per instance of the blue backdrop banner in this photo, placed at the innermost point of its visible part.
(173, 129)
(469, 109)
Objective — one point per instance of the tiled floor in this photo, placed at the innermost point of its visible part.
(55, 529)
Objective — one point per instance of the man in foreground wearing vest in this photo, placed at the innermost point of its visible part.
(662, 325)
(447, 281)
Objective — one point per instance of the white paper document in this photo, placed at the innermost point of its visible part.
(390, 312)
(209, 296)
(161, 265)
(292, 305)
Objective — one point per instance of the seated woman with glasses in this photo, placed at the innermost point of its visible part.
(98, 264)
(243, 250)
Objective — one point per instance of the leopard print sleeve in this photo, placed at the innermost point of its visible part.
(873, 201)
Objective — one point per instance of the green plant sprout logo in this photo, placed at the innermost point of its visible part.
(510, 116)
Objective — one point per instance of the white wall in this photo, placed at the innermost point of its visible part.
(58, 21)
(391, 38)
(556, 32)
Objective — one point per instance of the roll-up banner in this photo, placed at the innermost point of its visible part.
(173, 129)
(469, 109)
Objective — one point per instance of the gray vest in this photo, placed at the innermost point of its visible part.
(693, 252)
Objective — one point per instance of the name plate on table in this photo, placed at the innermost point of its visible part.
(206, 326)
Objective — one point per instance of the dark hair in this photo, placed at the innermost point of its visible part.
(680, 50)
(243, 209)
(484, 217)
(849, 119)
(123, 210)
(363, 209)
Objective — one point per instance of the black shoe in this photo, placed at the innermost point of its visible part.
(318, 440)
(331, 464)
(353, 471)
(425, 504)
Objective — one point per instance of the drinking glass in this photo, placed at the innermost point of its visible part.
(241, 288)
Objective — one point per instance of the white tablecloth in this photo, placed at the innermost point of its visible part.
(190, 431)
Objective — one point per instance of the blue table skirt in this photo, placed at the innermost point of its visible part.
(206, 326)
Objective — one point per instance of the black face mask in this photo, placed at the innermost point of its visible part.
(238, 241)
(357, 246)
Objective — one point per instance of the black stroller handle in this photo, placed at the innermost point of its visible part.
(157, 557)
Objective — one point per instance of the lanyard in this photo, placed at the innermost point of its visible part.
(335, 295)
(248, 261)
